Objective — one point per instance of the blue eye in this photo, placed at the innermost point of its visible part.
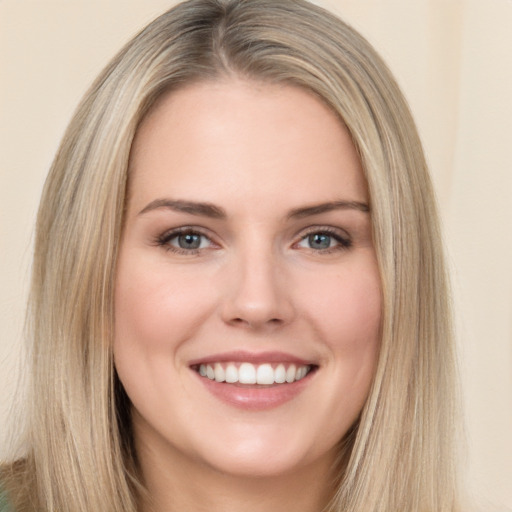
(319, 241)
(324, 241)
(187, 241)
(184, 241)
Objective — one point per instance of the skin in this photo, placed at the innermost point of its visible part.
(257, 283)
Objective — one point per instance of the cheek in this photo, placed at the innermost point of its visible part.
(157, 311)
(347, 310)
(344, 308)
(155, 307)
(347, 316)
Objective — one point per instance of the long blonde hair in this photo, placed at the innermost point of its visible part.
(399, 456)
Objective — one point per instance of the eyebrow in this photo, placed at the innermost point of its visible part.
(215, 212)
(191, 207)
(316, 209)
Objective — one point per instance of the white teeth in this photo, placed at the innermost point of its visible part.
(265, 374)
(231, 373)
(248, 373)
(280, 374)
(220, 374)
(290, 373)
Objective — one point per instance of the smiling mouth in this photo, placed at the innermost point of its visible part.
(254, 374)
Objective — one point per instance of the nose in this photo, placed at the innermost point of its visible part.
(258, 295)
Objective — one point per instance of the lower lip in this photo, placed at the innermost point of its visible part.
(255, 398)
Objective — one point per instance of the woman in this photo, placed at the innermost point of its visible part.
(239, 299)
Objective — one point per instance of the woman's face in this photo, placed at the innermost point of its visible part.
(248, 299)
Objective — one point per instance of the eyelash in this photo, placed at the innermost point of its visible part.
(165, 239)
(342, 242)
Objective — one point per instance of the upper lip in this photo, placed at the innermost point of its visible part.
(251, 357)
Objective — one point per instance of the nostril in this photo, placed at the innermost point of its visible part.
(254, 322)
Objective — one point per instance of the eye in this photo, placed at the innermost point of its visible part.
(184, 241)
(325, 241)
(189, 241)
(318, 241)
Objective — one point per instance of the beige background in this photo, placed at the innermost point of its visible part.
(454, 62)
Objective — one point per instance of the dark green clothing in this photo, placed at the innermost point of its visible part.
(4, 504)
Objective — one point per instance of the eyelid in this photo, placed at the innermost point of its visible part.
(340, 235)
(163, 239)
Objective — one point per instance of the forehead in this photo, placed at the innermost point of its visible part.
(230, 139)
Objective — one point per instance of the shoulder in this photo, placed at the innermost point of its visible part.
(9, 473)
(4, 502)
(17, 487)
